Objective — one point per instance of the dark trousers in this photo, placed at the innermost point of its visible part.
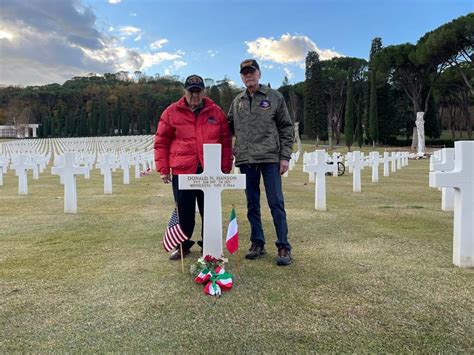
(186, 202)
(272, 181)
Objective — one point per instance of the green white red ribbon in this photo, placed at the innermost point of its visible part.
(218, 280)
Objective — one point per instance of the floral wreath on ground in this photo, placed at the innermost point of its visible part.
(210, 271)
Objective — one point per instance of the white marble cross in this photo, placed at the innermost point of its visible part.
(21, 166)
(398, 156)
(445, 164)
(374, 161)
(336, 158)
(4, 161)
(67, 172)
(212, 181)
(319, 168)
(349, 161)
(125, 163)
(106, 165)
(435, 158)
(386, 160)
(3, 168)
(462, 180)
(357, 165)
(393, 161)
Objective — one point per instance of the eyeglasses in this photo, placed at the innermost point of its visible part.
(247, 71)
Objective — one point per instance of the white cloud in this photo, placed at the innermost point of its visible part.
(138, 38)
(173, 68)
(212, 52)
(288, 73)
(6, 35)
(38, 49)
(158, 43)
(126, 31)
(133, 14)
(178, 64)
(114, 2)
(288, 49)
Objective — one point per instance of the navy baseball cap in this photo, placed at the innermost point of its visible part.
(249, 63)
(194, 82)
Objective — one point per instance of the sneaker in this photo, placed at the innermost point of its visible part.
(283, 257)
(255, 251)
(176, 255)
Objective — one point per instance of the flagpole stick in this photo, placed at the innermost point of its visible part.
(238, 262)
(182, 261)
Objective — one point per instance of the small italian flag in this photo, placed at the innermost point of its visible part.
(212, 289)
(232, 239)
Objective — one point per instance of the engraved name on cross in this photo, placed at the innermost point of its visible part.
(212, 181)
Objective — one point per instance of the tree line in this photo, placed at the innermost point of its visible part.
(374, 101)
(94, 105)
(343, 98)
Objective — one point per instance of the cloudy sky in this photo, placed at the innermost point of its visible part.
(48, 41)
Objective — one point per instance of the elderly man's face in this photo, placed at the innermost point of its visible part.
(250, 76)
(194, 96)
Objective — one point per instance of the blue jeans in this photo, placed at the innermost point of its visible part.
(272, 181)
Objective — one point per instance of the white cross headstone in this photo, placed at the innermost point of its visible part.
(374, 160)
(445, 164)
(319, 168)
(106, 165)
(357, 165)
(336, 159)
(125, 166)
(68, 172)
(386, 160)
(3, 168)
(435, 158)
(212, 181)
(398, 156)
(21, 166)
(349, 161)
(393, 161)
(462, 180)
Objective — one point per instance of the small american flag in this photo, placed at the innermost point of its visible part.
(174, 235)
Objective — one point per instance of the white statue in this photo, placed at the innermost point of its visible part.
(420, 127)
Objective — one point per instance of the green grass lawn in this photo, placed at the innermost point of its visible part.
(373, 273)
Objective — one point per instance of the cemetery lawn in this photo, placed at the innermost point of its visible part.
(373, 273)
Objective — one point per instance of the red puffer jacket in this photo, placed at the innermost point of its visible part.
(180, 137)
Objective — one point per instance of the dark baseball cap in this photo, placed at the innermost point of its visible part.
(194, 82)
(249, 63)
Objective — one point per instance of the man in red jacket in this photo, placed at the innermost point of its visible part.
(184, 127)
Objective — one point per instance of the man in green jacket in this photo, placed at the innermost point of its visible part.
(260, 121)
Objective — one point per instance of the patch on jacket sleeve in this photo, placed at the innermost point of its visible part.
(212, 120)
(265, 104)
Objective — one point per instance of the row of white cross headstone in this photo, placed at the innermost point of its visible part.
(318, 164)
(92, 145)
(452, 170)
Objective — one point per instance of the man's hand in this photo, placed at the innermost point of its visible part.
(284, 164)
(166, 178)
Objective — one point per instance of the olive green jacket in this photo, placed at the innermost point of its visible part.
(262, 127)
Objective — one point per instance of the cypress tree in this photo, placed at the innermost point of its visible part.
(125, 123)
(82, 127)
(349, 114)
(432, 123)
(102, 117)
(94, 118)
(310, 99)
(373, 117)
